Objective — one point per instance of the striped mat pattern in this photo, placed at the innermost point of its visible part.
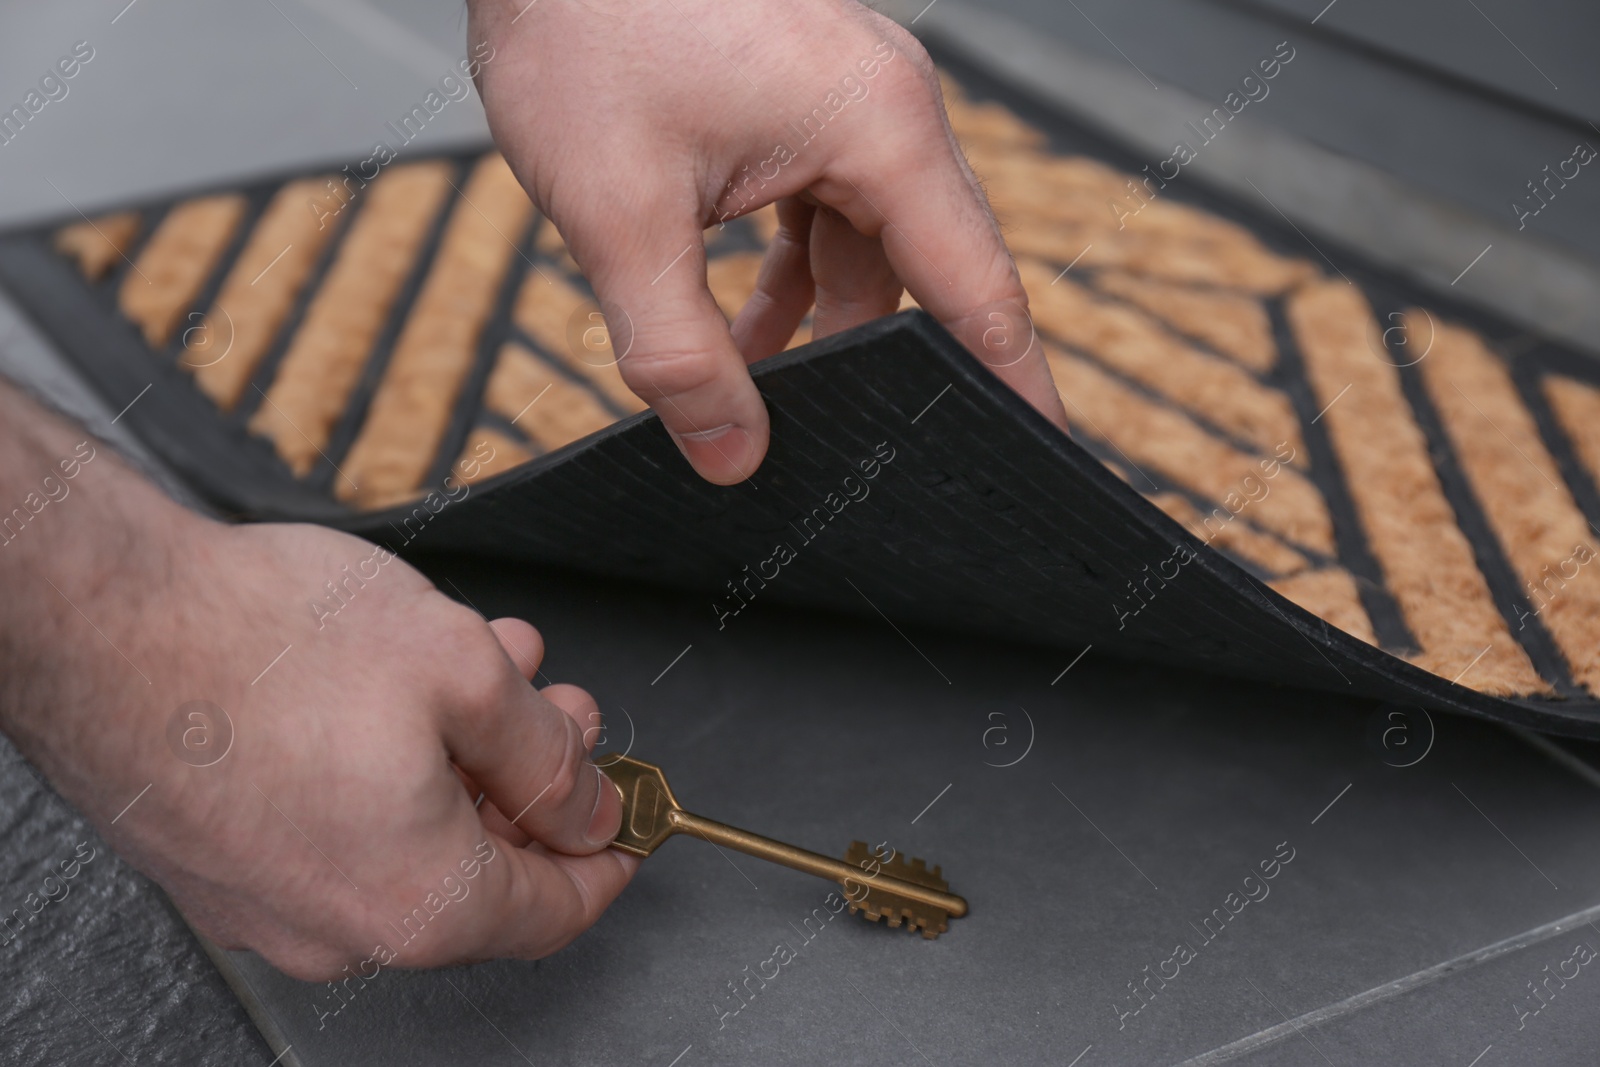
(1395, 472)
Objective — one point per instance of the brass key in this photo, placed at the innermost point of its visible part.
(905, 893)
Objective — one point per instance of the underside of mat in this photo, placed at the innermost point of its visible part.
(1280, 467)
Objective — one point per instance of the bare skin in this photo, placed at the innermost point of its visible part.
(337, 808)
(359, 743)
(636, 125)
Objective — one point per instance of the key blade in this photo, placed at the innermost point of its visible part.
(901, 911)
(871, 897)
(647, 804)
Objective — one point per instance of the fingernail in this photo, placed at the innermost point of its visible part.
(722, 454)
(708, 435)
(606, 819)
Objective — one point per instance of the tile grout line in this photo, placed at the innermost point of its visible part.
(1389, 990)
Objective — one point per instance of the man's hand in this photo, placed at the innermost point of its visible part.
(636, 125)
(325, 815)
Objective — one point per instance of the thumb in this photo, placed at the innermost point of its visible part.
(673, 346)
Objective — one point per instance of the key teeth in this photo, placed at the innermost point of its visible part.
(896, 915)
(882, 904)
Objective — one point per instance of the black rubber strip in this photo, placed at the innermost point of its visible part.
(150, 219)
(566, 370)
(1529, 373)
(1505, 588)
(1349, 535)
(493, 333)
(256, 200)
(350, 422)
(267, 369)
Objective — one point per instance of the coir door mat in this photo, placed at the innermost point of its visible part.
(1285, 466)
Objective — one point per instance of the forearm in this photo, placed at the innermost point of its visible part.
(341, 798)
(85, 545)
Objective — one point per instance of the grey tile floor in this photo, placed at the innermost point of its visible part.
(1409, 907)
(1463, 877)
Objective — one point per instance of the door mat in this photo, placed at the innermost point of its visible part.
(1284, 466)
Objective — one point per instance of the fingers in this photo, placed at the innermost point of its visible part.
(912, 189)
(522, 642)
(580, 708)
(524, 744)
(784, 290)
(674, 348)
(531, 759)
(854, 281)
